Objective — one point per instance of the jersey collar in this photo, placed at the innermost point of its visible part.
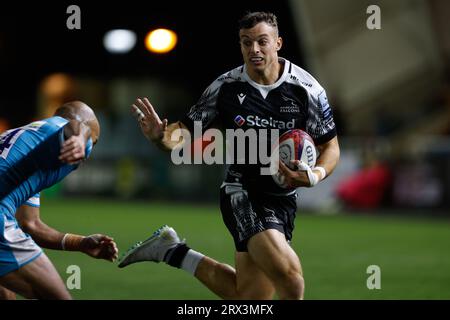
(265, 89)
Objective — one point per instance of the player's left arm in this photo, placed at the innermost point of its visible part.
(76, 135)
(325, 165)
(329, 157)
(97, 245)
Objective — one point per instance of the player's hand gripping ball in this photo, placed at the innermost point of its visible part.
(294, 144)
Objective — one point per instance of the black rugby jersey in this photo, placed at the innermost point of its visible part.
(234, 101)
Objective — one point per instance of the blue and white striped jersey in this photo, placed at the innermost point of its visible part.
(29, 162)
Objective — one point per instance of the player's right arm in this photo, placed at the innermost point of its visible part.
(154, 129)
(98, 246)
(205, 112)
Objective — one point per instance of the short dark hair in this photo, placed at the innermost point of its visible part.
(251, 19)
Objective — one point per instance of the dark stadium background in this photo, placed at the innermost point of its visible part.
(36, 42)
(387, 204)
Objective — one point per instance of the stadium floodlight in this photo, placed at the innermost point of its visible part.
(161, 40)
(119, 41)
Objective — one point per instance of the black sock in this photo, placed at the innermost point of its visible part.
(174, 257)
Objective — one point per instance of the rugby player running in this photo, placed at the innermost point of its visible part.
(258, 213)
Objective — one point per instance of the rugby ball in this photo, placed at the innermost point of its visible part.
(294, 144)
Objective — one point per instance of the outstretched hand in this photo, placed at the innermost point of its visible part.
(151, 125)
(100, 246)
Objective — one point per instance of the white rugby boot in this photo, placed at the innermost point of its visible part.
(154, 248)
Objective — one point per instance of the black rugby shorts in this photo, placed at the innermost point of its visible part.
(247, 212)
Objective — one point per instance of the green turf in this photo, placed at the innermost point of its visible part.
(335, 251)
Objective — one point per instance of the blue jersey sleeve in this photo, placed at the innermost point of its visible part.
(34, 201)
(89, 146)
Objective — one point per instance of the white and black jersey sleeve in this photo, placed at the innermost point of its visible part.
(205, 110)
(319, 123)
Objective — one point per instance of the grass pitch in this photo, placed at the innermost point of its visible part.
(335, 251)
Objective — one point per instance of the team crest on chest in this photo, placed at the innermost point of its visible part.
(289, 105)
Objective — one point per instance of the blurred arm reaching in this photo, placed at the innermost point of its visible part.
(97, 246)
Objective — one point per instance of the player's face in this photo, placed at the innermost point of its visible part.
(259, 46)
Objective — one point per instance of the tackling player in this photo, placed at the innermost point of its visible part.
(257, 212)
(32, 158)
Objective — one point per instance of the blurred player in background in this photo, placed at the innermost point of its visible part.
(258, 213)
(32, 158)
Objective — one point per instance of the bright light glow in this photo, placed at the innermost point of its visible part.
(119, 41)
(161, 40)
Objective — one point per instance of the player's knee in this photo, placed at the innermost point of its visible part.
(293, 286)
(298, 288)
(6, 294)
(253, 295)
(54, 292)
(288, 281)
(256, 290)
(54, 296)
